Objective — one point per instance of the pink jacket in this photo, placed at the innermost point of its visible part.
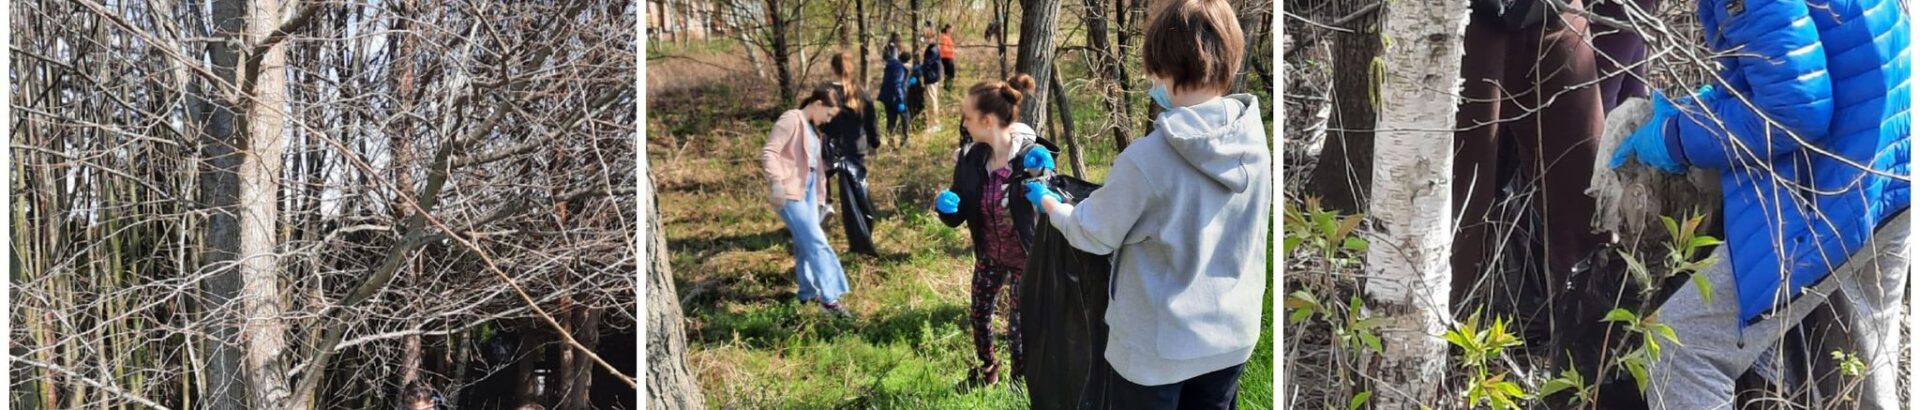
(784, 158)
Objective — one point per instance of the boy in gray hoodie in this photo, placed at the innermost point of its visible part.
(1184, 215)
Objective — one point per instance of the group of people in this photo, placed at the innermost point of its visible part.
(1806, 120)
(1183, 212)
(907, 87)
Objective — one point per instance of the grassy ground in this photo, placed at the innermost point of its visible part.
(751, 345)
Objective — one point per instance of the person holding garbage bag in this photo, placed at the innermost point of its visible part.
(798, 180)
(1000, 220)
(1808, 123)
(1184, 215)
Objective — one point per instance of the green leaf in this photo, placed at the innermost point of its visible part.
(1702, 241)
(1665, 331)
(1636, 268)
(1301, 299)
(1639, 371)
(1621, 315)
(1706, 289)
(1299, 315)
(1673, 229)
(1355, 244)
(1359, 399)
(1289, 244)
(1372, 342)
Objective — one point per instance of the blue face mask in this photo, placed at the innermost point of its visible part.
(1159, 94)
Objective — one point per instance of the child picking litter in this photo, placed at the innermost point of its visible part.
(1000, 221)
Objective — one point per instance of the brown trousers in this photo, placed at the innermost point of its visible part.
(1532, 90)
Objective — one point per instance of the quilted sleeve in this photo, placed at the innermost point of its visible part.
(1776, 49)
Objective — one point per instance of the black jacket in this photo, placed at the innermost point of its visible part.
(852, 127)
(969, 178)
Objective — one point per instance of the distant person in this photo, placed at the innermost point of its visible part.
(417, 395)
(998, 218)
(1184, 215)
(798, 180)
(946, 54)
(930, 71)
(893, 95)
(855, 129)
(892, 47)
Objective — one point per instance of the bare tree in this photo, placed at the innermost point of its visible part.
(274, 274)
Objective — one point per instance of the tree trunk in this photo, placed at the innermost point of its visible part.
(746, 40)
(781, 66)
(1409, 263)
(1344, 170)
(1037, 25)
(1066, 127)
(264, 330)
(1005, 9)
(913, 25)
(670, 384)
(224, 383)
(579, 379)
(860, 18)
(1119, 113)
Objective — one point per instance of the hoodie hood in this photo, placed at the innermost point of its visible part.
(1224, 138)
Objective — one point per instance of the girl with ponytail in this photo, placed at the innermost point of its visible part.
(1001, 221)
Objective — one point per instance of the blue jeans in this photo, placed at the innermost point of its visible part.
(816, 268)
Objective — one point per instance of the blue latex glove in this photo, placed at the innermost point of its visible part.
(913, 79)
(947, 202)
(1037, 190)
(902, 107)
(1037, 159)
(1648, 145)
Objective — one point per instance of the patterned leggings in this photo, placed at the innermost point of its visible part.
(987, 281)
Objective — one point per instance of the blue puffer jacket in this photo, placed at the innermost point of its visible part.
(893, 84)
(1835, 74)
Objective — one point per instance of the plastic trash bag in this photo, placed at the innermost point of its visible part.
(856, 209)
(1063, 304)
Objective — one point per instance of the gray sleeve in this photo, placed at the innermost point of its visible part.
(1099, 224)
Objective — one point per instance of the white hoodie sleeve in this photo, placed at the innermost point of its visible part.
(1099, 223)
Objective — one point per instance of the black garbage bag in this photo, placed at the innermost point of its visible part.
(856, 209)
(1063, 304)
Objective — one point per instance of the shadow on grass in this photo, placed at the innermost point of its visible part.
(781, 321)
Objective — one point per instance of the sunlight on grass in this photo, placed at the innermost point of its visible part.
(751, 345)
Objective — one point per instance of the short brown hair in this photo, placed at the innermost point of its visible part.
(1001, 99)
(1195, 44)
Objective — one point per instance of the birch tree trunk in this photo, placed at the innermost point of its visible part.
(670, 385)
(1412, 195)
(264, 328)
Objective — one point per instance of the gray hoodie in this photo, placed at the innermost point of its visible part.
(1184, 214)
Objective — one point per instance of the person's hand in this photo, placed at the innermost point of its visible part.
(1037, 160)
(1648, 144)
(1037, 191)
(778, 196)
(913, 80)
(902, 107)
(947, 202)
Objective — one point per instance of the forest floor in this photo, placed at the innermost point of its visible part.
(751, 345)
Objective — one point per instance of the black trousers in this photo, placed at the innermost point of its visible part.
(1216, 390)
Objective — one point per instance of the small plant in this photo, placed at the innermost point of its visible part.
(1322, 230)
(1569, 381)
(1353, 328)
(1850, 364)
(1479, 348)
(1651, 331)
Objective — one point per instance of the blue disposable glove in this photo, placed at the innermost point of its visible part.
(1648, 145)
(947, 202)
(1037, 190)
(912, 80)
(1037, 159)
(902, 107)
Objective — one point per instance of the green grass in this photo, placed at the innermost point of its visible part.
(909, 347)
